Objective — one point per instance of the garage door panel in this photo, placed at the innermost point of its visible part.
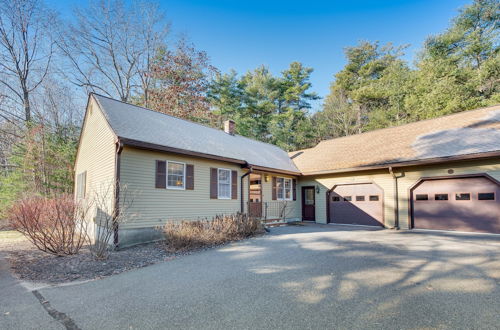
(359, 204)
(470, 220)
(463, 211)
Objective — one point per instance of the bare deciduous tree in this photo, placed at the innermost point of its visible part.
(110, 46)
(57, 107)
(338, 118)
(26, 51)
(153, 31)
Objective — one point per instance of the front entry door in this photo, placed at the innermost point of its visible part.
(255, 195)
(308, 204)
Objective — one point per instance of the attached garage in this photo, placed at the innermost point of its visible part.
(359, 204)
(462, 203)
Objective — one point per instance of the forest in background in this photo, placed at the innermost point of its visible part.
(127, 51)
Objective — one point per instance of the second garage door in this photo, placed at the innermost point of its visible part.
(462, 204)
(359, 204)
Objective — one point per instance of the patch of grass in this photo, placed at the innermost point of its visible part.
(11, 240)
(11, 235)
(189, 235)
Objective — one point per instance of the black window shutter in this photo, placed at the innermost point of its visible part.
(274, 189)
(189, 177)
(161, 174)
(213, 183)
(234, 185)
(294, 184)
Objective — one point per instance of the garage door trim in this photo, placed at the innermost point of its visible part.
(411, 224)
(350, 184)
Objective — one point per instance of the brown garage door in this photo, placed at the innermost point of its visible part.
(463, 204)
(359, 204)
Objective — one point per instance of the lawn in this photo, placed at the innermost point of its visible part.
(11, 240)
(10, 236)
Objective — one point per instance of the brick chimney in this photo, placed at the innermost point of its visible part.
(229, 126)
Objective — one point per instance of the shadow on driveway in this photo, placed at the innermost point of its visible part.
(314, 276)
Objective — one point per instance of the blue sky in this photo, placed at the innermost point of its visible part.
(242, 35)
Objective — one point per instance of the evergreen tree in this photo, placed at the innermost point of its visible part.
(370, 82)
(267, 108)
(226, 96)
(260, 95)
(459, 69)
(290, 126)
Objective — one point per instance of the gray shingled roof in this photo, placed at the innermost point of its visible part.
(144, 125)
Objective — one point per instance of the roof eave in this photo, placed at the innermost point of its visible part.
(157, 147)
(273, 170)
(428, 161)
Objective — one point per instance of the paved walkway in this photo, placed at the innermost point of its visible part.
(19, 308)
(301, 277)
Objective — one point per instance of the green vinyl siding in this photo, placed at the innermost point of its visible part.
(152, 206)
(96, 157)
(407, 177)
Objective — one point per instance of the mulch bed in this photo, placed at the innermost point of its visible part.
(30, 264)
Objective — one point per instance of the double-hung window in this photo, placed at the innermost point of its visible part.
(284, 189)
(176, 175)
(224, 183)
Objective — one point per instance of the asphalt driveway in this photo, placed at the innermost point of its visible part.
(302, 277)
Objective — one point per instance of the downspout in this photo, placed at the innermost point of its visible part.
(119, 148)
(250, 170)
(396, 198)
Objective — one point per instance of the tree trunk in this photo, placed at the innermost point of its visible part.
(358, 119)
(27, 106)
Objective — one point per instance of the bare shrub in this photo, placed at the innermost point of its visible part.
(108, 218)
(54, 225)
(187, 235)
(285, 210)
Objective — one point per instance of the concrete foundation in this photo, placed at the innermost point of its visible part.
(129, 237)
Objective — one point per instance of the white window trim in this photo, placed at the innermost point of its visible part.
(230, 183)
(81, 185)
(183, 179)
(283, 189)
